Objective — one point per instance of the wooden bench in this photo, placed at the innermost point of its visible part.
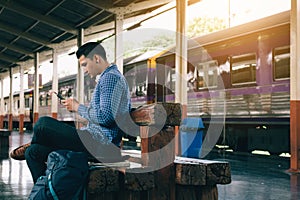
(155, 172)
(4, 142)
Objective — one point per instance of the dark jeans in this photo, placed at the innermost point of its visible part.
(50, 134)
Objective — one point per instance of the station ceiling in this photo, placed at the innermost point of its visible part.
(30, 26)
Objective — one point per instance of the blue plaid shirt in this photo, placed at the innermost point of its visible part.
(111, 99)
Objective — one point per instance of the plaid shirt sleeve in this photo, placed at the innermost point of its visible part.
(106, 101)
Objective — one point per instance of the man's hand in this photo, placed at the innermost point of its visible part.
(71, 104)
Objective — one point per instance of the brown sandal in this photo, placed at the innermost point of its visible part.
(19, 153)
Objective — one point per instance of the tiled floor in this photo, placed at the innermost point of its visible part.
(253, 177)
(15, 178)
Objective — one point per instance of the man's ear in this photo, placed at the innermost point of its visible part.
(97, 58)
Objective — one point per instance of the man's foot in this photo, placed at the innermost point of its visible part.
(19, 153)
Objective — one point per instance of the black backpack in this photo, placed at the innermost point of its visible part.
(66, 177)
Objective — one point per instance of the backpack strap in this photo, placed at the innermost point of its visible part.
(55, 197)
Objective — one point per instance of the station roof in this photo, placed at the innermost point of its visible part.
(33, 26)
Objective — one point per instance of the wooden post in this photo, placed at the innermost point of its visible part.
(157, 123)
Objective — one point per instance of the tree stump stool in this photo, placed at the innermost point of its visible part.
(197, 179)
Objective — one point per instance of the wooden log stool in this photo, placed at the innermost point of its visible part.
(117, 183)
(137, 183)
(103, 183)
(197, 179)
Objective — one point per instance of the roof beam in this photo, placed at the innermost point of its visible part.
(8, 59)
(16, 48)
(104, 4)
(110, 6)
(16, 7)
(22, 34)
(122, 3)
(133, 7)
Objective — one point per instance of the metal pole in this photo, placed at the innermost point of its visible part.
(10, 110)
(22, 101)
(119, 41)
(80, 77)
(181, 55)
(2, 110)
(181, 64)
(80, 74)
(54, 101)
(36, 88)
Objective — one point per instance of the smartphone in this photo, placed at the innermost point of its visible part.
(59, 96)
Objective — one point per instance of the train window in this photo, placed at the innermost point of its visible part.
(16, 104)
(41, 100)
(243, 69)
(70, 92)
(27, 103)
(207, 74)
(137, 79)
(89, 95)
(48, 100)
(281, 63)
(170, 79)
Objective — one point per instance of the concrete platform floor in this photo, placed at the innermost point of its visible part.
(253, 177)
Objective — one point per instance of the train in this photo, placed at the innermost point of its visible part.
(241, 74)
(67, 88)
(246, 68)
